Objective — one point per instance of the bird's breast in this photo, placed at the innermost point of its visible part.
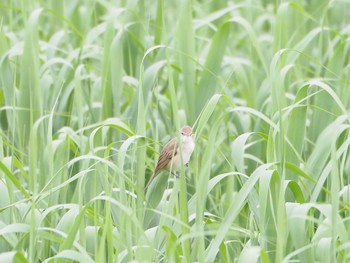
(187, 149)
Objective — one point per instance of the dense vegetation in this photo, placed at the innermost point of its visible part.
(91, 90)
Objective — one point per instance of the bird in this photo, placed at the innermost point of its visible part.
(170, 157)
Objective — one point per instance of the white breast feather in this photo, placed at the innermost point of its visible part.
(187, 149)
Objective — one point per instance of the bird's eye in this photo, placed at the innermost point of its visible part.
(182, 133)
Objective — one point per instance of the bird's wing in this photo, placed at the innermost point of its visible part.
(169, 151)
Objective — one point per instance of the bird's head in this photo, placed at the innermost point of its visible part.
(186, 131)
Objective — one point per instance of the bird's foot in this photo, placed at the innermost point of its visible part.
(176, 174)
(186, 164)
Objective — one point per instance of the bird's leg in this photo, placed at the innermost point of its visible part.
(186, 164)
(176, 174)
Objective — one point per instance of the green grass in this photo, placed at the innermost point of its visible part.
(91, 90)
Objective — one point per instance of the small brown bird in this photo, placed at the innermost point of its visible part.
(170, 158)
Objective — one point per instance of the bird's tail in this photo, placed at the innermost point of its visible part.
(150, 181)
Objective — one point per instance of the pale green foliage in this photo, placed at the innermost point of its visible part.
(91, 90)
